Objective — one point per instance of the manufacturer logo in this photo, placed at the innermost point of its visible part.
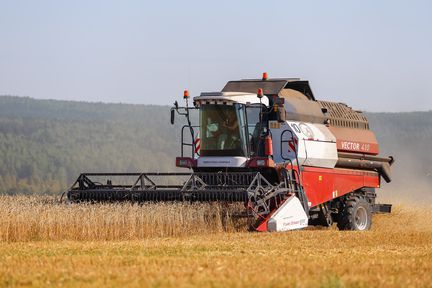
(306, 130)
(346, 145)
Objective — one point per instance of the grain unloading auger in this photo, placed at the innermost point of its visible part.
(292, 160)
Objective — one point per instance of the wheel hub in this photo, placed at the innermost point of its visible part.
(361, 218)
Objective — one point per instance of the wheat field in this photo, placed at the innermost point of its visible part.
(47, 244)
(46, 219)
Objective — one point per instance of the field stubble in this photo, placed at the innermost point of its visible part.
(44, 243)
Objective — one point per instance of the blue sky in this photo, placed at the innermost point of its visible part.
(373, 55)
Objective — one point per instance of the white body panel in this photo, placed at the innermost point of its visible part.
(314, 143)
(219, 161)
(289, 216)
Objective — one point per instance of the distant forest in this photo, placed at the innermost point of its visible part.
(45, 144)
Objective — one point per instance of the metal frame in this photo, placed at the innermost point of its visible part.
(381, 208)
(251, 188)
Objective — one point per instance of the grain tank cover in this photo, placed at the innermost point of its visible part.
(270, 87)
(299, 108)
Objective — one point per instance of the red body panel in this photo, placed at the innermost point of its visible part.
(262, 227)
(355, 140)
(323, 184)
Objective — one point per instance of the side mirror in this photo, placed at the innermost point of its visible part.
(172, 116)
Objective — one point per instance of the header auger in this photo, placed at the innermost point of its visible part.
(292, 160)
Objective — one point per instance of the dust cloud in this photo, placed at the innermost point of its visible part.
(411, 183)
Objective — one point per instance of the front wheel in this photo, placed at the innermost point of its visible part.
(355, 214)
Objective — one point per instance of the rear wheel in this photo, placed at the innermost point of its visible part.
(355, 214)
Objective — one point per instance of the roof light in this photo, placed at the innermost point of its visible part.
(260, 93)
(265, 76)
(185, 94)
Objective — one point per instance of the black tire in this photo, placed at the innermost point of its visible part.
(355, 214)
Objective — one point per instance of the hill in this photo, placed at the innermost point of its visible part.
(45, 144)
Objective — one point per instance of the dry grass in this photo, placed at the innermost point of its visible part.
(183, 246)
(44, 218)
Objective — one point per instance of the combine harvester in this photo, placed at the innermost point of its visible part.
(292, 160)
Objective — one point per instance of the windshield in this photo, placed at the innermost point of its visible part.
(223, 130)
(254, 127)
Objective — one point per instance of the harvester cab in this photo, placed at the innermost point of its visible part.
(291, 160)
(231, 126)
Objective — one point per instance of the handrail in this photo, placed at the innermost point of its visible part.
(183, 143)
(287, 141)
(295, 153)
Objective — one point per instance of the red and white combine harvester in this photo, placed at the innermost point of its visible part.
(292, 160)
